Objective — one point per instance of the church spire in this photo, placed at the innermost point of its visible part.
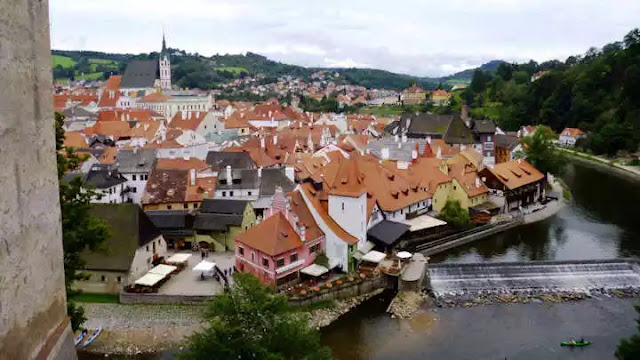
(164, 43)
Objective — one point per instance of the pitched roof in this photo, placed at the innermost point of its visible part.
(187, 120)
(155, 97)
(440, 93)
(388, 232)
(140, 74)
(108, 155)
(425, 124)
(103, 177)
(171, 219)
(571, 132)
(515, 173)
(166, 186)
(273, 236)
(457, 132)
(124, 129)
(507, 141)
(220, 206)
(237, 160)
(299, 207)
(216, 222)
(314, 199)
(484, 127)
(467, 176)
(130, 228)
(74, 139)
(135, 160)
(181, 164)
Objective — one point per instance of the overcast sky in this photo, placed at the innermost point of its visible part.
(418, 37)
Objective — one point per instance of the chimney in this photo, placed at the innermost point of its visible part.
(192, 174)
(439, 153)
(183, 115)
(260, 172)
(275, 139)
(262, 145)
(414, 153)
(303, 233)
(229, 179)
(385, 153)
(463, 114)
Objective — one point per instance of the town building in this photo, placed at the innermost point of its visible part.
(218, 222)
(134, 243)
(174, 189)
(514, 184)
(485, 137)
(507, 147)
(136, 166)
(109, 184)
(570, 136)
(440, 97)
(413, 96)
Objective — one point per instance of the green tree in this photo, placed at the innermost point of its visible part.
(252, 322)
(80, 230)
(412, 82)
(629, 349)
(541, 152)
(454, 214)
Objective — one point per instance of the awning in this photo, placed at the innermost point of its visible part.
(404, 255)
(204, 266)
(178, 258)
(290, 266)
(374, 256)
(387, 232)
(162, 269)
(149, 279)
(314, 270)
(423, 222)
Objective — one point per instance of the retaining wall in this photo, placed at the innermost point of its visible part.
(344, 291)
(133, 298)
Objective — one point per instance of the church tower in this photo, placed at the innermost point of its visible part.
(165, 67)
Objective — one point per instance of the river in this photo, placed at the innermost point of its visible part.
(602, 222)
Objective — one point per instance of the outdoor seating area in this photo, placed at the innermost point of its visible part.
(152, 280)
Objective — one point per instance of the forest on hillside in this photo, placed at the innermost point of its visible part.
(598, 92)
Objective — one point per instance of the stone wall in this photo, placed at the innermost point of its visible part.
(134, 298)
(33, 322)
(344, 291)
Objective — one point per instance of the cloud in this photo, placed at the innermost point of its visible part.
(418, 37)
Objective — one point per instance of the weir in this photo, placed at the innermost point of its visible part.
(533, 277)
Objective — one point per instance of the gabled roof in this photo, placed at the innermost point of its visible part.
(220, 206)
(571, 132)
(388, 232)
(515, 173)
(273, 236)
(237, 160)
(314, 199)
(166, 186)
(74, 139)
(425, 124)
(216, 222)
(181, 164)
(299, 207)
(507, 141)
(171, 219)
(103, 177)
(140, 74)
(130, 228)
(187, 120)
(467, 176)
(135, 161)
(457, 132)
(484, 127)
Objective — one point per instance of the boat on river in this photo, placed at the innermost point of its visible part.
(575, 343)
(94, 334)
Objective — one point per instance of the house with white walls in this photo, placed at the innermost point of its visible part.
(136, 166)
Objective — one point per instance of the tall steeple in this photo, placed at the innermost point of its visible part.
(164, 43)
(164, 66)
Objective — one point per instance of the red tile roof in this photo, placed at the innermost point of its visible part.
(187, 120)
(273, 236)
(572, 132)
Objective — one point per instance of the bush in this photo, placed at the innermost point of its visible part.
(454, 214)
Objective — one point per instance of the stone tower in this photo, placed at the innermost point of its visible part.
(33, 310)
(165, 67)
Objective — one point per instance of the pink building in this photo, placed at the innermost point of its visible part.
(287, 241)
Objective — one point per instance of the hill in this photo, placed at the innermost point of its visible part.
(597, 91)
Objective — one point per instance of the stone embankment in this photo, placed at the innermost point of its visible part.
(406, 304)
(525, 297)
(323, 317)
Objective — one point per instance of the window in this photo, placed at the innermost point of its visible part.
(133, 177)
(253, 257)
(280, 263)
(103, 278)
(342, 206)
(265, 262)
(293, 258)
(230, 193)
(489, 138)
(134, 189)
(454, 187)
(314, 249)
(119, 279)
(186, 206)
(147, 247)
(195, 205)
(249, 193)
(241, 251)
(224, 193)
(168, 207)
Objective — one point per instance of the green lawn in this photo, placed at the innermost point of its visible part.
(90, 76)
(64, 61)
(385, 110)
(234, 70)
(96, 298)
(101, 61)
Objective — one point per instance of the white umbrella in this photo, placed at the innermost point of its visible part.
(404, 255)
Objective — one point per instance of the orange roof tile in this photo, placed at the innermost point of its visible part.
(273, 236)
(109, 155)
(516, 173)
(572, 132)
(314, 198)
(192, 163)
(74, 139)
(155, 97)
(187, 120)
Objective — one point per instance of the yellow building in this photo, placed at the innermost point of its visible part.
(413, 95)
(440, 97)
(219, 221)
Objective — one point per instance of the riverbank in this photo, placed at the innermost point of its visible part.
(627, 172)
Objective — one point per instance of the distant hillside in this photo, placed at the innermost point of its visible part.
(196, 71)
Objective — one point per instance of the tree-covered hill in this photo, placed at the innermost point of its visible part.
(598, 92)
